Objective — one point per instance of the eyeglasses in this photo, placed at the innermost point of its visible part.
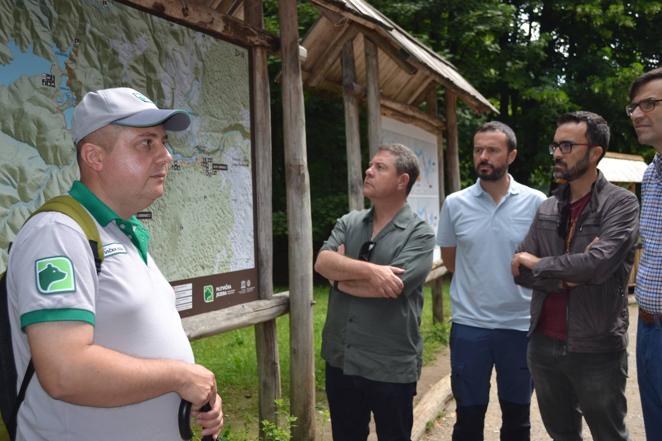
(565, 146)
(646, 106)
(366, 250)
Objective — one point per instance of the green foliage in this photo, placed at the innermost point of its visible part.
(307, 13)
(279, 432)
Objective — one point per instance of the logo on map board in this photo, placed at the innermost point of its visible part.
(208, 293)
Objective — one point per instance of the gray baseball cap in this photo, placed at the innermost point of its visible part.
(125, 107)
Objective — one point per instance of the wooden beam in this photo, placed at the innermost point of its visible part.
(413, 112)
(430, 406)
(235, 317)
(352, 130)
(421, 91)
(433, 111)
(386, 111)
(399, 111)
(333, 17)
(399, 55)
(299, 225)
(452, 153)
(437, 292)
(266, 337)
(225, 6)
(331, 53)
(372, 88)
(207, 20)
(340, 8)
(214, 4)
(469, 100)
(438, 271)
(437, 285)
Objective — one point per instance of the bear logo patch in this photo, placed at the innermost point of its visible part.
(55, 275)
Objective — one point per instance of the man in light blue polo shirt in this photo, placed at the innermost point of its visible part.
(479, 229)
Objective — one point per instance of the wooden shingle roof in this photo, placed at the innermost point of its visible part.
(407, 67)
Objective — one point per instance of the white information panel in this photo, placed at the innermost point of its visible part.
(424, 196)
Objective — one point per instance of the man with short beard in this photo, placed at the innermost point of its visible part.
(479, 229)
(577, 258)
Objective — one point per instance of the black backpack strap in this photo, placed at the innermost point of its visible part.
(29, 372)
(98, 259)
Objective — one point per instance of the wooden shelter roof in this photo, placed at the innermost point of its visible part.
(407, 68)
(621, 167)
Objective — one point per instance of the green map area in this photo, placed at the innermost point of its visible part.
(53, 52)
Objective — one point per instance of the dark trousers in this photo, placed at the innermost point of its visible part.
(352, 398)
(649, 373)
(571, 384)
(474, 353)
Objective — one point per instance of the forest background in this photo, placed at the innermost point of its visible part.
(534, 60)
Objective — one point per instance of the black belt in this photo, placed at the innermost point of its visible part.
(648, 318)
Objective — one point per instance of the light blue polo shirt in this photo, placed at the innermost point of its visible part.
(483, 293)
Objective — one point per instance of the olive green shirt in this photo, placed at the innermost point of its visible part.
(378, 338)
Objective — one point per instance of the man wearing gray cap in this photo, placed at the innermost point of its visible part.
(111, 356)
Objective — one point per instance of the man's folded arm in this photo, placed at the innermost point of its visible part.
(365, 279)
(596, 264)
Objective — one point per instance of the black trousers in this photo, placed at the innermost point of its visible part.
(352, 398)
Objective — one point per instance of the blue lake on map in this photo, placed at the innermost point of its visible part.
(23, 63)
(29, 64)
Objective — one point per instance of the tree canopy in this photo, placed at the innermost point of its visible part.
(534, 60)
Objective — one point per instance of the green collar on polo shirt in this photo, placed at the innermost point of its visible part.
(104, 215)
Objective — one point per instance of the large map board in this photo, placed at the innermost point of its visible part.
(53, 52)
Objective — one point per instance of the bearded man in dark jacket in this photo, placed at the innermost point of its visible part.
(577, 258)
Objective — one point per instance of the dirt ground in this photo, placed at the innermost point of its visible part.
(441, 429)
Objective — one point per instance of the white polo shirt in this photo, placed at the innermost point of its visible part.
(483, 292)
(52, 277)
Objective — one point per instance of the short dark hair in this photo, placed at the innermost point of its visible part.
(644, 78)
(405, 161)
(105, 136)
(597, 129)
(498, 126)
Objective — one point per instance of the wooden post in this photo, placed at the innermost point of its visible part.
(452, 154)
(438, 300)
(372, 92)
(352, 133)
(433, 110)
(437, 285)
(266, 341)
(299, 225)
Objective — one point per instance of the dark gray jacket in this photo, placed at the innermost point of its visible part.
(597, 308)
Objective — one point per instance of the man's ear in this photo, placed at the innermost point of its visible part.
(596, 155)
(403, 180)
(511, 156)
(92, 156)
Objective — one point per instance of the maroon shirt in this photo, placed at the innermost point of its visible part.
(553, 320)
